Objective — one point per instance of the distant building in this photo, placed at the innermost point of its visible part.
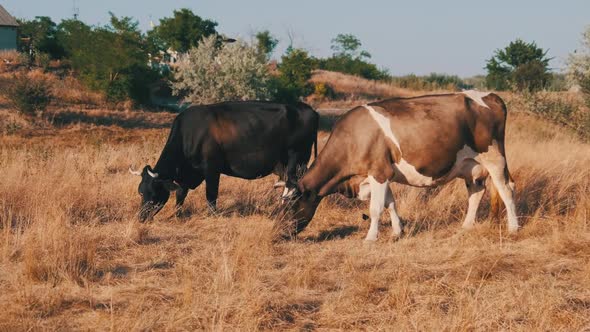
(8, 33)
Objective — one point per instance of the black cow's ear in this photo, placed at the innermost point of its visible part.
(171, 185)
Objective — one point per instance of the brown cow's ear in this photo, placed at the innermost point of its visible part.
(171, 185)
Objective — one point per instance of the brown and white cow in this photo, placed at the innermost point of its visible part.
(421, 141)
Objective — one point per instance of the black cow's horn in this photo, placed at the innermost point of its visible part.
(152, 174)
(134, 172)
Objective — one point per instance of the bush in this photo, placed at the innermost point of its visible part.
(568, 112)
(445, 81)
(292, 83)
(434, 81)
(349, 58)
(42, 60)
(353, 66)
(11, 60)
(578, 67)
(29, 94)
(212, 73)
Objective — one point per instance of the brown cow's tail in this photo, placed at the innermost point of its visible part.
(496, 203)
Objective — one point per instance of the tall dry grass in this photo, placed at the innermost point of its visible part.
(358, 86)
(11, 60)
(349, 90)
(65, 91)
(72, 255)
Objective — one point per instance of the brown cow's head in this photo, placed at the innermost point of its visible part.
(154, 192)
(300, 209)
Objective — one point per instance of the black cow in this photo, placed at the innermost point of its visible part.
(247, 140)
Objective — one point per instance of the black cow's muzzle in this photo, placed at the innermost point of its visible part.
(148, 211)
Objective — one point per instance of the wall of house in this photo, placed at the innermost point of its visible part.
(7, 38)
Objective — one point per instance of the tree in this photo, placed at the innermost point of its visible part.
(112, 58)
(348, 45)
(350, 59)
(211, 73)
(42, 37)
(358, 67)
(266, 43)
(180, 32)
(73, 35)
(520, 65)
(578, 66)
(292, 83)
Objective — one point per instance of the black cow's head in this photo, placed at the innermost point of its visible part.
(154, 192)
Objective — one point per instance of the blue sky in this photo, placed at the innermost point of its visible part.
(452, 36)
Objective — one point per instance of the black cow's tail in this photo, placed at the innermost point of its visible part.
(315, 146)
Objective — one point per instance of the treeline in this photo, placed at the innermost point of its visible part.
(122, 62)
(113, 58)
(187, 52)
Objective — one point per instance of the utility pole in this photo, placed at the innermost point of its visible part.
(75, 10)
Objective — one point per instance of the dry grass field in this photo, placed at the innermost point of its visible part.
(73, 256)
(354, 90)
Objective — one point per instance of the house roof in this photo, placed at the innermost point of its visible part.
(6, 19)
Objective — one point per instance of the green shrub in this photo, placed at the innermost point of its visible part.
(434, 81)
(445, 81)
(42, 60)
(560, 109)
(520, 65)
(349, 58)
(353, 66)
(29, 95)
(292, 83)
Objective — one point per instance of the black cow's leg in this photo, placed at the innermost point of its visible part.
(181, 193)
(212, 189)
(292, 168)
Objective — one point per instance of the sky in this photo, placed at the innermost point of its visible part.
(419, 36)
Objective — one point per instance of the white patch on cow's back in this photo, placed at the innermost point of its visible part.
(411, 175)
(384, 124)
(477, 96)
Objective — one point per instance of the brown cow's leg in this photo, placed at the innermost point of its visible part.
(395, 222)
(212, 189)
(376, 206)
(475, 176)
(476, 189)
(495, 163)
